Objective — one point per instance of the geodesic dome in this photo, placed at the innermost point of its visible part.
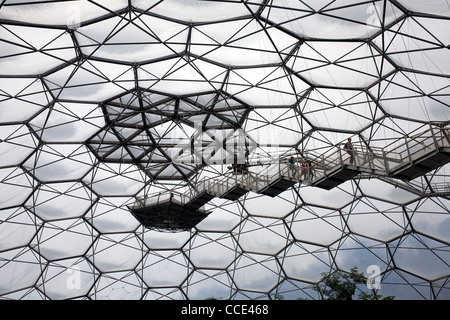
(103, 103)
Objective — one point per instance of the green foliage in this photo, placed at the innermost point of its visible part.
(339, 286)
(372, 296)
(278, 296)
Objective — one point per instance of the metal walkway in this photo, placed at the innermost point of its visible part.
(420, 152)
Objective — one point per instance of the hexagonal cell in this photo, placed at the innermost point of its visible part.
(360, 252)
(241, 43)
(68, 122)
(316, 225)
(124, 285)
(110, 214)
(416, 33)
(211, 250)
(400, 97)
(376, 219)
(56, 201)
(60, 162)
(116, 252)
(24, 94)
(350, 110)
(165, 268)
(353, 64)
(165, 240)
(184, 79)
(91, 81)
(334, 198)
(398, 283)
(261, 235)
(431, 217)
(26, 270)
(116, 179)
(17, 229)
(64, 239)
(360, 21)
(255, 272)
(15, 187)
(264, 206)
(225, 216)
(145, 38)
(264, 86)
(420, 256)
(68, 279)
(305, 262)
(16, 144)
(45, 49)
(209, 284)
(389, 192)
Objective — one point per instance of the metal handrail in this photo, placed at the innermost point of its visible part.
(385, 159)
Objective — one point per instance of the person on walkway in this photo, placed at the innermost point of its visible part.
(304, 170)
(348, 147)
(310, 170)
(292, 165)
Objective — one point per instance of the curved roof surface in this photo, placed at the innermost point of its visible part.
(96, 98)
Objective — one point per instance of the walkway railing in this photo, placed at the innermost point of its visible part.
(161, 197)
(368, 159)
(415, 145)
(439, 188)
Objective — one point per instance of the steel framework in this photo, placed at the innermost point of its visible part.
(99, 99)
